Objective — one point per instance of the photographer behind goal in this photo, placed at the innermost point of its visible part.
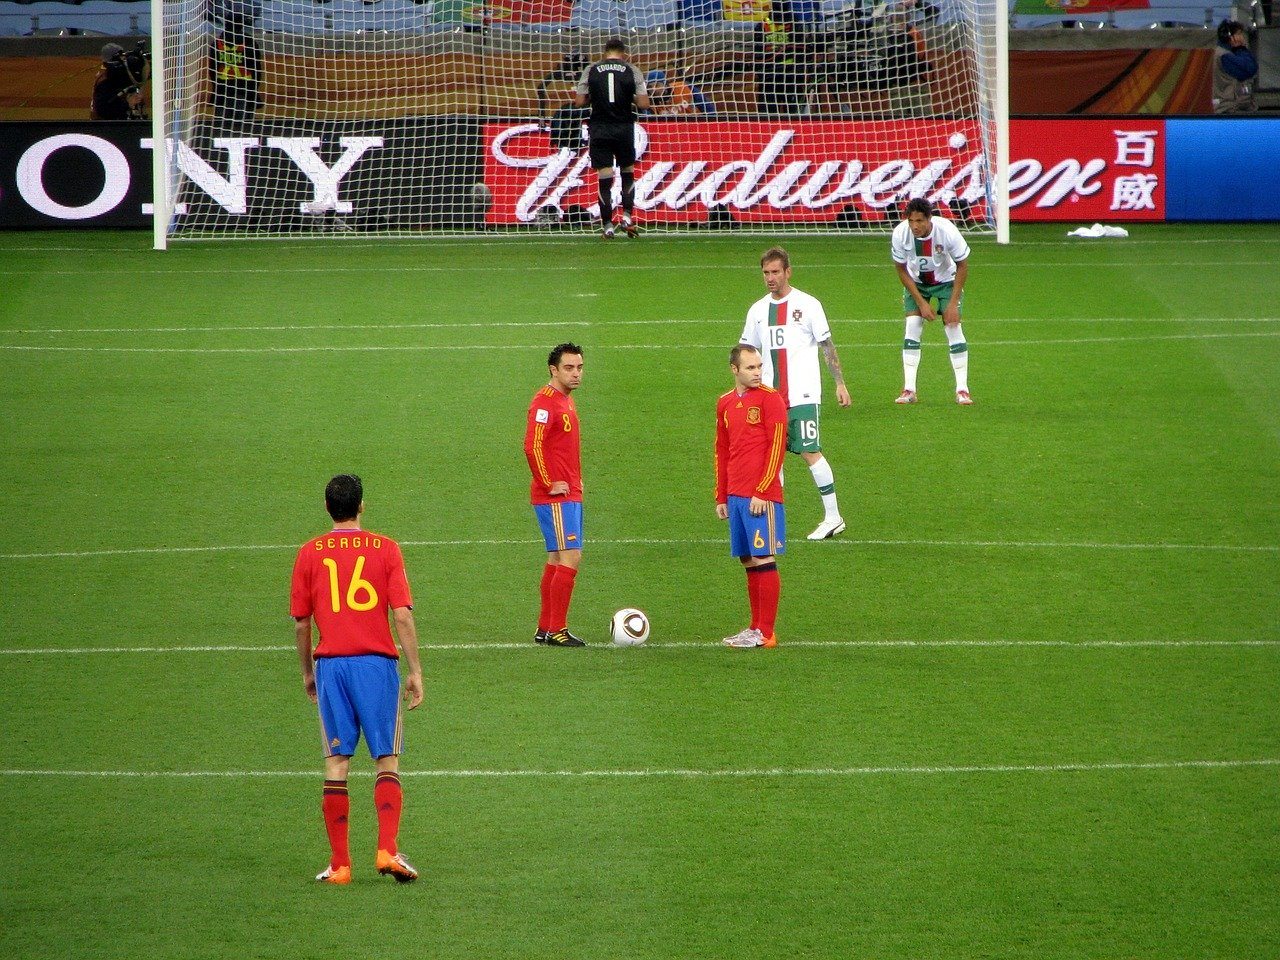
(117, 89)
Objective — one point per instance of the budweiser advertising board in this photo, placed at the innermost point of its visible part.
(1087, 169)
(812, 171)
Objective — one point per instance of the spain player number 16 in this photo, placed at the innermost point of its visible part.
(355, 588)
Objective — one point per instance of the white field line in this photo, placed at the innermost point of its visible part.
(215, 269)
(878, 238)
(689, 773)
(473, 348)
(688, 645)
(693, 541)
(537, 324)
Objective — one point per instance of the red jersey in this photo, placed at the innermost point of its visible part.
(348, 580)
(751, 440)
(553, 446)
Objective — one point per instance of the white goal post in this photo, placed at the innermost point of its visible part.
(396, 118)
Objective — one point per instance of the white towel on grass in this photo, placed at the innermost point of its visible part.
(1098, 230)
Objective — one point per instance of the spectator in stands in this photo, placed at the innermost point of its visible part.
(779, 80)
(920, 13)
(235, 66)
(567, 72)
(903, 62)
(676, 97)
(1234, 72)
(117, 89)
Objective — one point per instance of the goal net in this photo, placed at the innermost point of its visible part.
(401, 118)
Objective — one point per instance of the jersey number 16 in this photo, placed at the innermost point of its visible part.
(355, 588)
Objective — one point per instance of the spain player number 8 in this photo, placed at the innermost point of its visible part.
(357, 586)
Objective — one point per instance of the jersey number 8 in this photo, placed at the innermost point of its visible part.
(356, 587)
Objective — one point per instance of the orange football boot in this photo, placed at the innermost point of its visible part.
(339, 875)
(397, 866)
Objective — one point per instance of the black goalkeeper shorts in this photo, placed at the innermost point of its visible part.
(608, 150)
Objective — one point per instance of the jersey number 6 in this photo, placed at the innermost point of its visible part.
(356, 587)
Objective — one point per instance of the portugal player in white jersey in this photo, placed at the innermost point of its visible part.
(932, 260)
(789, 328)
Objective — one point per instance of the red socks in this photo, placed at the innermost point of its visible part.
(561, 595)
(753, 596)
(388, 798)
(545, 612)
(336, 806)
(764, 588)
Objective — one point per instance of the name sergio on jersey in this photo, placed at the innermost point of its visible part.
(353, 543)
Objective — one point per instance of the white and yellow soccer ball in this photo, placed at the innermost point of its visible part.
(629, 628)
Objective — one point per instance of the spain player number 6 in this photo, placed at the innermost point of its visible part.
(357, 586)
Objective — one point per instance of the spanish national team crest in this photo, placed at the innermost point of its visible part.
(753, 415)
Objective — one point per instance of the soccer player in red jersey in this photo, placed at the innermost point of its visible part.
(751, 440)
(346, 581)
(553, 447)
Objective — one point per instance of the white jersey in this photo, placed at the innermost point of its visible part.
(787, 333)
(930, 259)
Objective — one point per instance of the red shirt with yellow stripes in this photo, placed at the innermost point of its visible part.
(751, 440)
(553, 446)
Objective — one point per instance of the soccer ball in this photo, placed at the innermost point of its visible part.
(629, 628)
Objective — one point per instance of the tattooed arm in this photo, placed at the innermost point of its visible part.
(833, 364)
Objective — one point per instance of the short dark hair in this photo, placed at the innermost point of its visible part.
(1228, 27)
(615, 45)
(559, 350)
(918, 205)
(343, 496)
(735, 355)
(776, 253)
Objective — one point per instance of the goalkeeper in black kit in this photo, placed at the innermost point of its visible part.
(613, 88)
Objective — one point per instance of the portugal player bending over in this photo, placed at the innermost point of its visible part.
(932, 260)
(751, 440)
(348, 580)
(553, 447)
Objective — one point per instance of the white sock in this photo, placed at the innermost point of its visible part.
(825, 478)
(959, 356)
(911, 352)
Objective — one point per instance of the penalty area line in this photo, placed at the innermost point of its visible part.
(605, 322)
(659, 542)
(488, 267)
(1118, 766)
(437, 348)
(685, 645)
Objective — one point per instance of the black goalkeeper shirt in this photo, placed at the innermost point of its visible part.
(610, 87)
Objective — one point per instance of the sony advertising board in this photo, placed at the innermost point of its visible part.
(400, 173)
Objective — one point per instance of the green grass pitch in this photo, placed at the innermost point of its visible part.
(1025, 707)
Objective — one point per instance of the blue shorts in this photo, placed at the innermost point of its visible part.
(760, 536)
(561, 524)
(359, 693)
